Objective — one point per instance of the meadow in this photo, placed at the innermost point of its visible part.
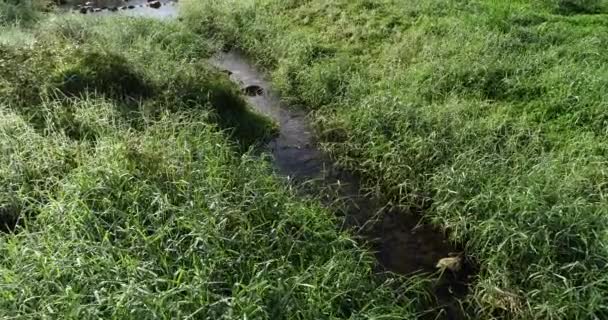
(129, 187)
(487, 116)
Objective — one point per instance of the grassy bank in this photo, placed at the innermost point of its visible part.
(489, 115)
(129, 193)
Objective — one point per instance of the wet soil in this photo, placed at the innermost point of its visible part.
(402, 243)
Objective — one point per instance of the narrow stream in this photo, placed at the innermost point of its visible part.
(402, 244)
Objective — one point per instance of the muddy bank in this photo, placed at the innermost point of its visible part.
(402, 244)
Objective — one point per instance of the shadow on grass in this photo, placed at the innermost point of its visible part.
(106, 73)
(231, 112)
(573, 7)
(136, 94)
(113, 77)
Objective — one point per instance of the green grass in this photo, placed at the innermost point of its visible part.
(126, 160)
(22, 12)
(490, 115)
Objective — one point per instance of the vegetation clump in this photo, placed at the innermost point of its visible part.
(22, 12)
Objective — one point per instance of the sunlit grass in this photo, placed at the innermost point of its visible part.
(126, 163)
(490, 115)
